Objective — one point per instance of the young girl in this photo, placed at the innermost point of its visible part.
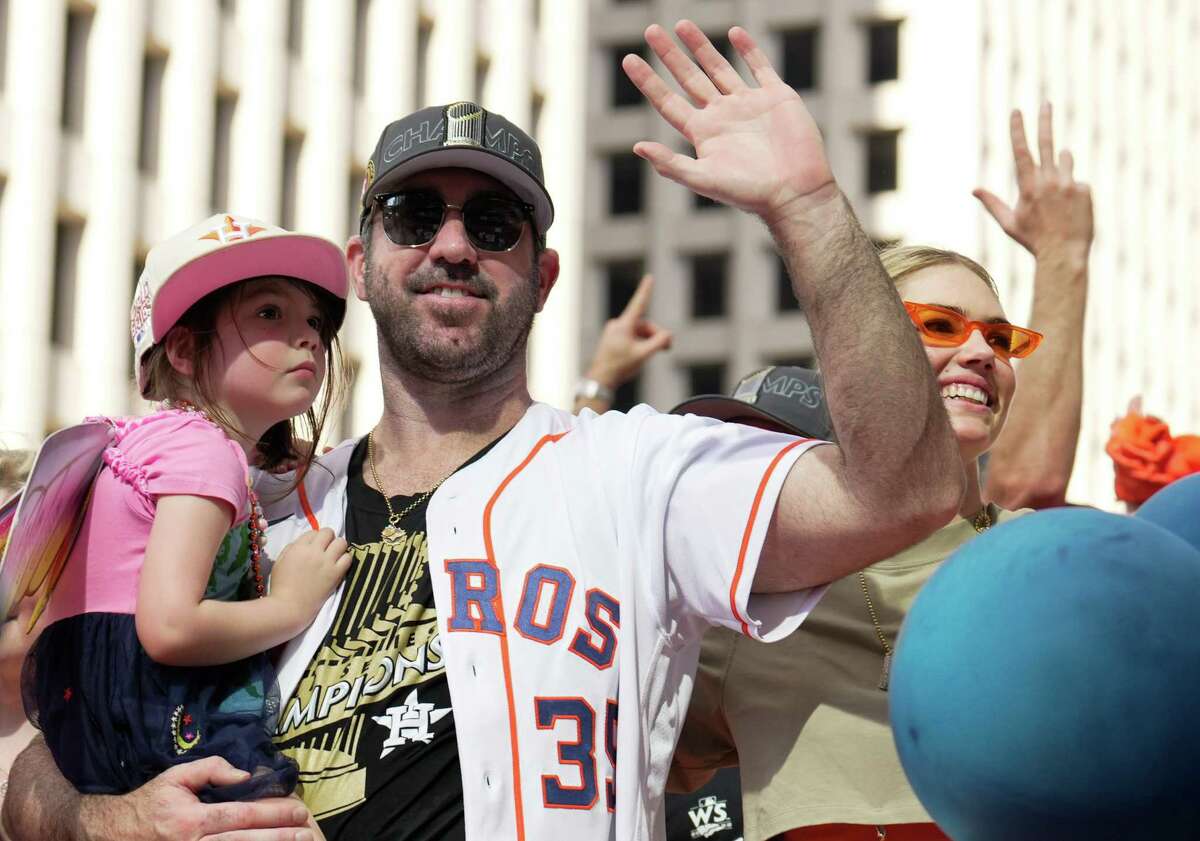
(154, 653)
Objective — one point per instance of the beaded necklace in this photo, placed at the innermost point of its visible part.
(257, 524)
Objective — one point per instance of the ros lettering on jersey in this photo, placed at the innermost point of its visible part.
(542, 612)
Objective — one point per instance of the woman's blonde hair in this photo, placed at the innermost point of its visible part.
(899, 261)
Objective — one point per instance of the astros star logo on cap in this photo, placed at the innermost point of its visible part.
(233, 230)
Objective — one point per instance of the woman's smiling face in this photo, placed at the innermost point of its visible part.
(976, 384)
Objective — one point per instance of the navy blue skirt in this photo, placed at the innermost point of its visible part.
(113, 718)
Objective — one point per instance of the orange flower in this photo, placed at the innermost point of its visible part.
(1146, 457)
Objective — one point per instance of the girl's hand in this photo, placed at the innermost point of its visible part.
(309, 569)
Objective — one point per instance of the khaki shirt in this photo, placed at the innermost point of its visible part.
(805, 714)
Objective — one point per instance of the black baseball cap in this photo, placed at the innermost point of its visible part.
(462, 135)
(786, 396)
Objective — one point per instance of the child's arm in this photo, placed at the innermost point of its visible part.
(178, 627)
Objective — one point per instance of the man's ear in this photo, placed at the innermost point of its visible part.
(547, 267)
(181, 350)
(356, 263)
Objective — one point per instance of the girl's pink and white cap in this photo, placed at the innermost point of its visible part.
(221, 250)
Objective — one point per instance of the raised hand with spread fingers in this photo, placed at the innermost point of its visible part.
(1031, 464)
(757, 147)
(895, 474)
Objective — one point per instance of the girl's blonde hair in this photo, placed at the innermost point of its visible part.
(899, 261)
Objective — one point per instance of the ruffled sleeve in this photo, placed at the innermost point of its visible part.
(178, 453)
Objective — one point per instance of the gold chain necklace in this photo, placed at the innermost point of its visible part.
(392, 533)
(981, 522)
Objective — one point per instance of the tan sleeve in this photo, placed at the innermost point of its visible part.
(706, 743)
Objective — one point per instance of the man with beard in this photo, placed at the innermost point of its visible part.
(530, 587)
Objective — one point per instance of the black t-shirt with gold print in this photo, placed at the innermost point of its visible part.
(370, 724)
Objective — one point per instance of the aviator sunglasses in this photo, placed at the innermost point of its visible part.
(943, 327)
(412, 218)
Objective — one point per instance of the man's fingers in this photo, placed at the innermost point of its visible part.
(212, 770)
(995, 206)
(1046, 136)
(1021, 155)
(712, 62)
(668, 163)
(657, 339)
(292, 834)
(640, 300)
(282, 815)
(694, 81)
(673, 107)
(1066, 164)
(754, 57)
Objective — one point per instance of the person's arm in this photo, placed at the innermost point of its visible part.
(41, 804)
(1030, 466)
(178, 627)
(626, 344)
(896, 474)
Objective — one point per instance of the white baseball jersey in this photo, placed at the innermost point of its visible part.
(574, 567)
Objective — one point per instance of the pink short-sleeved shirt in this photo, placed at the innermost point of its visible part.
(167, 453)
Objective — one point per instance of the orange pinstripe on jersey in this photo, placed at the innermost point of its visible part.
(508, 687)
(741, 561)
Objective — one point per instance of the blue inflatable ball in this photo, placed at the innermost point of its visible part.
(1176, 508)
(1046, 684)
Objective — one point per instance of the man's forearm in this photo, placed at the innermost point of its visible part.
(891, 426)
(1031, 464)
(40, 802)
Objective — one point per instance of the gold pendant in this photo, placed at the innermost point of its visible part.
(392, 535)
(887, 672)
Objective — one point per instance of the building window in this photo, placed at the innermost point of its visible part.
(785, 295)
(621, 281)
(881, 153)
(3, 43)
(537, 104)
(883, 51)
(799, 360)
(628, 394)
(153, 67)
(481, 73)
(292, 144)
(361, 9)
(800, 57)
(295, 26)
(626, 177)
(706, 378)
(354, 199)
(708, 285)
(721, 42)
(79, 28)
(424, 36)
(67, 236)
(139, 266)
(222, 144)
(624, 92)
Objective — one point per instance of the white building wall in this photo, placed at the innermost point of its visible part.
(1121, 74)
(237, 49)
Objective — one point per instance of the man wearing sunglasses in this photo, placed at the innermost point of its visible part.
(574, 561)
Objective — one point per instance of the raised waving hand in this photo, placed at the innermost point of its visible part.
(757, 147)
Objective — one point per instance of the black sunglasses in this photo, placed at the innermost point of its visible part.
(412, 218)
